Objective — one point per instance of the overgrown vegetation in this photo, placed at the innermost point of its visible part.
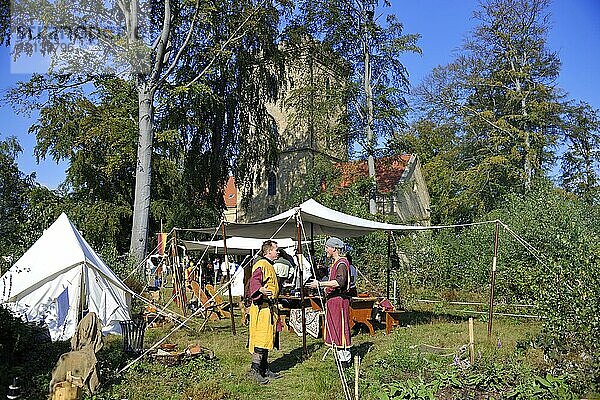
(486, 132)
(425, 358)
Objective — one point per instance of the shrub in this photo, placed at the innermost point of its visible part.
(549, 255)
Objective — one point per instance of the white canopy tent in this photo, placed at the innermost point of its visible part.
(235, 245)
(58, 277)
(319, 219)
(308, 219)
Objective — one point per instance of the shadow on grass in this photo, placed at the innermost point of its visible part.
(33, 367)
(293, 358)
(225, 328)
(362, 349)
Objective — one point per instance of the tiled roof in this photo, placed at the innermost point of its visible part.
(230, 195)
(388, 171)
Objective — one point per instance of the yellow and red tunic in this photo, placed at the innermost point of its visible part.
(263, 311)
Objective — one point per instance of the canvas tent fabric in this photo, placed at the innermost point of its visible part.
(317, 219)
(57, 276)
(235, 245)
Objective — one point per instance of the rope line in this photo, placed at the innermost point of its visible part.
(176, 328)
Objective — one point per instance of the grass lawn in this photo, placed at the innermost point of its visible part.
(392, 365)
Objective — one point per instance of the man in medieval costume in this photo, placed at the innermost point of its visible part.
(337, 306)
(263, 290)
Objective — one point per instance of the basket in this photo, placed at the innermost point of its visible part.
(133, 335)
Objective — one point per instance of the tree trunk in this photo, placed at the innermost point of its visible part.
(369, 125)
(143, 176)
(527, 166)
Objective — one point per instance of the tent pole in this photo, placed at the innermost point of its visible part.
(301, 273)
(177, 275)
(312, 242)
(389, 263)
(228, 279)
(493, 278)
(82, 293)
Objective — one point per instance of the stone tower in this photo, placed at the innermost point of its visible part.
(309, 117)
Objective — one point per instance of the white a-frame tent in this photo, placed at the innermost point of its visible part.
(59, 277)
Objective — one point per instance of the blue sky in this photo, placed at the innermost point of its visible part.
(443, 24)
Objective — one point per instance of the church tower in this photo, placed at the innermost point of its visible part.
(310, 126)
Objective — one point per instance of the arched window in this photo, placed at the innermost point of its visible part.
(272, 184)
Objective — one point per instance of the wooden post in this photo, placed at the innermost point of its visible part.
(226, 259)
(493, 279)
(471, 342)
(301, 274)
(389, 266)
(356, 374)
(178, 278)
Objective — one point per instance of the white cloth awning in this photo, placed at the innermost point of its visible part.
(316, 219)
(235, 245)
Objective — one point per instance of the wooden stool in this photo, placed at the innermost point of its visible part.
(392, 319)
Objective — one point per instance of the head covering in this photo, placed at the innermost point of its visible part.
(334, 242)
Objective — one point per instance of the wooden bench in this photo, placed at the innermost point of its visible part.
(392, 319)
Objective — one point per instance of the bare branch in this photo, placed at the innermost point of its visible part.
(184, 45)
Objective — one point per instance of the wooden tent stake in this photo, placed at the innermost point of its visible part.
(356, 374)
(471, 342)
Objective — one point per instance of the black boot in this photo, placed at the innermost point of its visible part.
(264, 366)
(255, 371)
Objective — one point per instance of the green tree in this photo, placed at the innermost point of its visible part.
(581, 161)
(148, 50)
(500, 94)
(372, 44)
(96, 133)
(14, 188)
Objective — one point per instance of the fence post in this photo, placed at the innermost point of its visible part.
(493, 279)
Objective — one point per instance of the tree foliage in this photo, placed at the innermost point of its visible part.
(202, 101)
(499, 99)
(14, 187)
(162, 48)
(581, 161)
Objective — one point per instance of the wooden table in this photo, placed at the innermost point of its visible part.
(361, 309)
(313, 302)
(293, 302)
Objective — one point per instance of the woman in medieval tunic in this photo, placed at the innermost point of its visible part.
(337, 310)
(263, 290)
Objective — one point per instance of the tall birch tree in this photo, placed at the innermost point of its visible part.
(143, 42)
(501, 99)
